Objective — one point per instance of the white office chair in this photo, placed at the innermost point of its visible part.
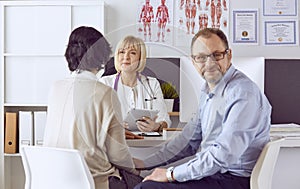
(261, 177)
(50, 168)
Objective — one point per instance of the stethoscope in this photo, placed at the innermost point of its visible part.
(148, 89)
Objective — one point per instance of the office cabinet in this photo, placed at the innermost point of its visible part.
(34, 35)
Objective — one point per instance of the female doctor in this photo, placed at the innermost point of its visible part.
(134, 89)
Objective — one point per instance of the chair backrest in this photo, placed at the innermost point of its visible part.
(261, 177)
(49, 168)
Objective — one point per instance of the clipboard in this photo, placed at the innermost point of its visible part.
(147, 134)
(136, 114)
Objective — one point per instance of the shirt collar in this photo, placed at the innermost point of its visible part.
(84, 74)
(220, 87)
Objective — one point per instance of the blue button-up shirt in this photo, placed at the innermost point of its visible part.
(227, 135)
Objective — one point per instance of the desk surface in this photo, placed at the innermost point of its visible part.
(151, 141)
(146, 142)
(293, 138)
(155, 141)
(173, 113)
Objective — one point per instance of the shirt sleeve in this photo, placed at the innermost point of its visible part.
(115, 143)
(183, 145)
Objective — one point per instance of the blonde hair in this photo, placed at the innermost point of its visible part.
(138, 44)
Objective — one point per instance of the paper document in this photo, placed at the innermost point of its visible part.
(150, 134)
(284, 125)
(286, 130)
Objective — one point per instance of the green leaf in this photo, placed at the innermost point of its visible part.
(169, 90)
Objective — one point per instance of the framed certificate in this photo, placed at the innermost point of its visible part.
(245, 27)
(280, 7)
(281, 33)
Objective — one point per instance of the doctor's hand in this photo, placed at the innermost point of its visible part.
(147, 124)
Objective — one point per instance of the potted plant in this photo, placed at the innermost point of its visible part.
(170, 94)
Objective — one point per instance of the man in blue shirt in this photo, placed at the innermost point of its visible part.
(228, 133)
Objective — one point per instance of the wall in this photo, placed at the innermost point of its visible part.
(121, 19)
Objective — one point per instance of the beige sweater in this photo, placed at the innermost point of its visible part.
(85, 114)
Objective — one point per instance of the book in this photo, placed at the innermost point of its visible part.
(25, 128)
(10, 143)
(39, 127)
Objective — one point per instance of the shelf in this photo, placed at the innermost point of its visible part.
(31, 55)
(24, 108)
(24, 105)
(31, 62)
(55, 3)
(12, 155)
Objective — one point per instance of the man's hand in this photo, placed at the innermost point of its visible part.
(159, 175)
(130, 135)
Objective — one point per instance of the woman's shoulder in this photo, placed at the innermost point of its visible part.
(113, 76)
(109, 79)
(102, 90)
(150, 79)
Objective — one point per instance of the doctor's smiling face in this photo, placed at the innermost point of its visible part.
(211, 55)
(130, 55)
(129, 58)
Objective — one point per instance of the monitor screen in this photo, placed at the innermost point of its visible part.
(191, 81)
(282, 87)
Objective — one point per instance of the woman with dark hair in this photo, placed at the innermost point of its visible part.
(85, 114)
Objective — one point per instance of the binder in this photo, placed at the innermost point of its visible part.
(25, 128)
(10, 145)
(39, 127)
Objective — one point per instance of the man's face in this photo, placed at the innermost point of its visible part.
(213, 67)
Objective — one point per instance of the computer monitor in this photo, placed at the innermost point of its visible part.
(191, 81)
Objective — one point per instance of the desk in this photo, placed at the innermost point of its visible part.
(146, 142)
(143, 148)
(154, 141)
(286, 172)
(173, 114)
(293, 139)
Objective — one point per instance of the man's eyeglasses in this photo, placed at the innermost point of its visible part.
(216, 56)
